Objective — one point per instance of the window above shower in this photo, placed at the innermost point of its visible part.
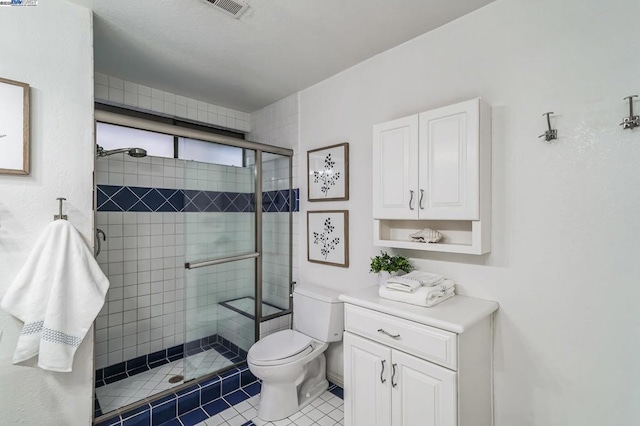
(112, 137)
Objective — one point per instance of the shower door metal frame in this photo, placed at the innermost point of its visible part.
(109, 117)
(136, 122)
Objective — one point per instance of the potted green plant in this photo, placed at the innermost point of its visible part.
(387, 266)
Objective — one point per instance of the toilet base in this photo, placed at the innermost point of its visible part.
(280, 400)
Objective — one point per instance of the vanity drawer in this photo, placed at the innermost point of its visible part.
(426, 342)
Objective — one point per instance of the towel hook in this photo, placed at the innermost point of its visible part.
(550, 134)
(60, 216)
(632, 121)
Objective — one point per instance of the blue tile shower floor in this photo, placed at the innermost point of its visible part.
(326, 410)
(134, 388)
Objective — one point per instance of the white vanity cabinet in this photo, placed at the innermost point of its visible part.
(434, 166)
(410, 366)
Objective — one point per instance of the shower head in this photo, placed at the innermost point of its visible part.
(134, 152)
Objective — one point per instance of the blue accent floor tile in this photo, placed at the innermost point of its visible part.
(163, 413)
(216, 407)
(338, 391)
(142, 419)
(236, 397)
(174, 422)
(230, 384)
(210, 392)
(115, 378)
(253, 389)
(188, 402)
(111, 422)
(194, 417)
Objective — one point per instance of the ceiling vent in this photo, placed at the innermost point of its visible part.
(230, 7)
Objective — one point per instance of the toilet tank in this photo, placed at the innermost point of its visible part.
(318, 313)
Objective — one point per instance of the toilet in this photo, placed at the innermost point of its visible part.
(291, 363)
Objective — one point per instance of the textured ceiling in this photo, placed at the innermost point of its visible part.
(276, 48)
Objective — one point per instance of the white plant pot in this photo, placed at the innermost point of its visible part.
(383, 276)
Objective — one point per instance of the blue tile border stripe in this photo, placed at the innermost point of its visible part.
(113, 198)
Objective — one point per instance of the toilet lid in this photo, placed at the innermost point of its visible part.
(285, 345)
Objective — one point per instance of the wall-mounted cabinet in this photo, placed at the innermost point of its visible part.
(433, 170)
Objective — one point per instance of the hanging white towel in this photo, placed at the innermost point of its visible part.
(424, 296)
(57, 294)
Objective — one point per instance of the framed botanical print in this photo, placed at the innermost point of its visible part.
(328, 173)
(328, 237)
(14, 127)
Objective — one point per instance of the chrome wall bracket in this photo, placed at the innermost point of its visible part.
(550, 134)
(60, 215)
(632, 121)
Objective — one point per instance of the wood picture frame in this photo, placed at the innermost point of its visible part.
(328, 173)
(328, 237)
(14, 127)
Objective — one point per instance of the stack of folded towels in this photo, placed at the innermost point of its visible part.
(418, 288)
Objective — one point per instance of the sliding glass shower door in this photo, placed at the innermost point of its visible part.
(220, 254)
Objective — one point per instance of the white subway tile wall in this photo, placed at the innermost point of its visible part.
(278, 124)
(275, 234)
(147, 99)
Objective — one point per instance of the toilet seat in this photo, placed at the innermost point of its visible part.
(280, 348)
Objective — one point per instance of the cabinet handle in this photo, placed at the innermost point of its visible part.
(393, 375)
(383, 331)
(411, 200)
(421, 198)
(382, 372)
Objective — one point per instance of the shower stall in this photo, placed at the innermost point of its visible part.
(195, 236)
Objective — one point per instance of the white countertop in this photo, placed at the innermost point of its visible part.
(456, 314)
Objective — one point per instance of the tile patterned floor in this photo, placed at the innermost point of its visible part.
(327, 410)
(123, 392)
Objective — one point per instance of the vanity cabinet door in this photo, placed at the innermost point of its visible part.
(423, 394)
(395, 169)
(367, 380)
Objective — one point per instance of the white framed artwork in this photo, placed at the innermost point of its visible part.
(14, 127)
(328, 173)
(328, 237)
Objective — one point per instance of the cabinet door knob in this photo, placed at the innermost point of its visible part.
(393, 375)
(382, 380)
(421, 198)
(411, 200)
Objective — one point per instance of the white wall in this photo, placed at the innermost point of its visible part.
(50, 47)
(564, 265)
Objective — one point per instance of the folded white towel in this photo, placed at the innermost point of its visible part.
(423, 296)
(427, 279)
(402, 284)
(57, 294)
